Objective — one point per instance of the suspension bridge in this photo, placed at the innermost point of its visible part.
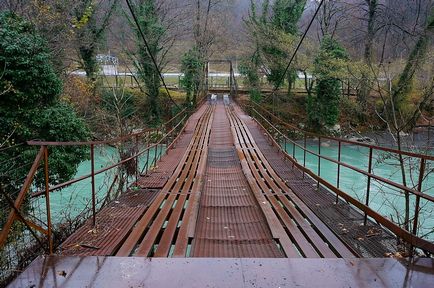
(226, 205)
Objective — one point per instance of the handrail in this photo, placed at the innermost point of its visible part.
(101, 142)
(376, 147)
(43, 156)
(379, 178)
(19, 201)
(67, 183)
(408, 236)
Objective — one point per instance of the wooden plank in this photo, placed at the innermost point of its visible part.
(190, 215)
(311, 235)
(226, 226)
(274, 224)
(334, 241)
(302, 242)
(147, 243)
(166, 240)
(141, 225)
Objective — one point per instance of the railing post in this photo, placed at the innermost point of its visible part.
(160, 152)
(155, 155)
(304, 153)
(137, 157)
(47, 200)
(319, 160)
(417, 207)
(368, 188)
(293, 149)
(338, 178)
(284, 143)
(92, 165)
(167, 140)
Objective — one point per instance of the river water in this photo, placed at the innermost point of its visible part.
(385, 199)
(388, 201)
(74, 200)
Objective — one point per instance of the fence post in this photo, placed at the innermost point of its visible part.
(167, 140)
(92, 163)
(304, 153)
(155, 155)
(417, 207)
(339, 169)
(147, 161)
(137, 157)
(47, 200)
(319, 160)
(368, 188)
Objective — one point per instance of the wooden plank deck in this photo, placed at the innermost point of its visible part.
(230, 222)
(116, 221)
(309, 235)
(227, 196)
(341, 218)
(230, 202)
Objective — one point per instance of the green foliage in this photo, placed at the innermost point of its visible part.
(265, 11)
(191, 66)
(286, 14)
(255, 95)
(323, 109)
(276, 37)
(82, 18)
(331, 60)
(154, 31)
(32, 109)
(249, 68)
(26, 63)
(90, 27)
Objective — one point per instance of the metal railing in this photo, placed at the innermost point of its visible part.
(300, 154)
(92, 189)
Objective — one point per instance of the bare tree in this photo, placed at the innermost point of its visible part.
(398, 113)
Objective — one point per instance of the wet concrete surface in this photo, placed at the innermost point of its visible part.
(94, 271)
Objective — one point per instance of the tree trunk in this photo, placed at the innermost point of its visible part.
(366, 84)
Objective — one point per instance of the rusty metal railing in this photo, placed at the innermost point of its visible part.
(269, 121)
(144, 149)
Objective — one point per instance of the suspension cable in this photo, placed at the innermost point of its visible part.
(282, 77)
(149, 51)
